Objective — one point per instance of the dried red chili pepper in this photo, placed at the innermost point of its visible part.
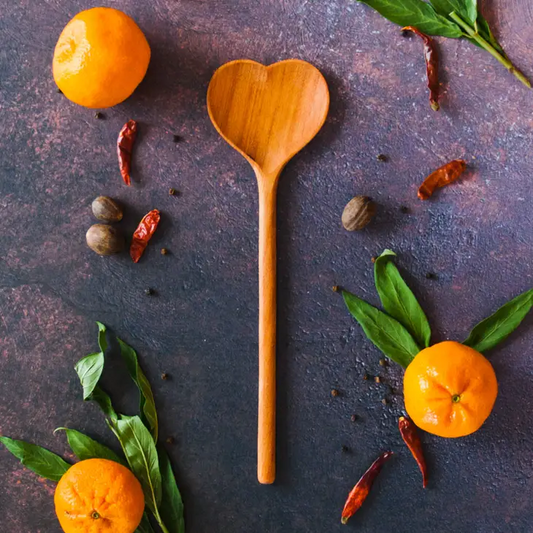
(432, 66)
(444, 175)
(126, 139)
(359, 493)
(410, 437)
(143, 234)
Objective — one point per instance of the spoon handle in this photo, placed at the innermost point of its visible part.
(266, 435)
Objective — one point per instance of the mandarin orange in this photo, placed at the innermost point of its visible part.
(99, 496)
(100, 58)
(449, 389)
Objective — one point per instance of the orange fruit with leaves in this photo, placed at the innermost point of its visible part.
(99, 496)
(449, 389)
(100, 58)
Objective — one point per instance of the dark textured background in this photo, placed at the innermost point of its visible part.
(201, 327)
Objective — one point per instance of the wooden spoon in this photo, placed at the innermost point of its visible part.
(267, 114)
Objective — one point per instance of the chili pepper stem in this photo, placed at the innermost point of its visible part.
(473, 34)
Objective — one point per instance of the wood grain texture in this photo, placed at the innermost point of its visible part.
(201, 325)
(268, 114)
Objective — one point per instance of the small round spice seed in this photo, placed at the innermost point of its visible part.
(335, 288)
(172, 192)
(164, 376)
(164, 251)
(385, 401)
(358, 213)
(383, 362)
(149, 292)
(335, 393)
(353, 418)
(377, 379)
(382, 157)
(99, 115)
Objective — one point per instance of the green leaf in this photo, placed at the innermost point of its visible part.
(147, 403)
(467, 9)
(89, 370)
(86, 448)
(90, 367)
(384, 331)
(416, 13)
(171, 504)
(145, 526)
(102, 342)
(140, 451)
(398, 300)
(497, 327)
(39, 460)
(104, 401)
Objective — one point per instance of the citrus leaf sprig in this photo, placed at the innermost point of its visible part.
(497, 327)
(146, 397)
(384, 331)
(85, 448)
(448, 18)
(90, 367)
(39, 460)
(402, 330)
(398, 300)
(147, 460)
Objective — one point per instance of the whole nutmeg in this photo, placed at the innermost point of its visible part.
(358, 213)
(106, 209)
(105, 240)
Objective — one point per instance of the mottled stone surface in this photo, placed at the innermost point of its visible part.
(201, 327)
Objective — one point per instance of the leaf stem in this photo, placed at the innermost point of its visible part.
(160, 521)
(473, 34)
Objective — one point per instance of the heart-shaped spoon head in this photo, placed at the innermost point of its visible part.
(268, 114)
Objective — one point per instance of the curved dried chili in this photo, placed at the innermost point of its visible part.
(361, 490)
(143, 234)
(444, 175)
(432, 66)
(126, 139)
(411, 438)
